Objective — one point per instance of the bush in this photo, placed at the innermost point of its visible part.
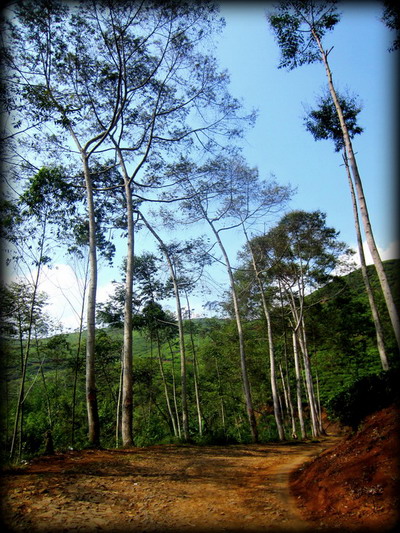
(364, 397)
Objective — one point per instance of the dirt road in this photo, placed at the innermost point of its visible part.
(160, 488)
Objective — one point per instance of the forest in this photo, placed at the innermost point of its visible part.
(342, 353)
(121, 122)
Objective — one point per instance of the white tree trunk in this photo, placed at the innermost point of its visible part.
(298, 385)
(185, 416)
(274, 392)
(169, 408)
(316, 429)
(394, 316)
(368, 288)
(25, 354)
(243, 362)
(91, 391)
(127, 356)
(195, 371)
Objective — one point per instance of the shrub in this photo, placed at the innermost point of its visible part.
(364, 397)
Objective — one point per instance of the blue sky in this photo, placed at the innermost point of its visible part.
(279, 143)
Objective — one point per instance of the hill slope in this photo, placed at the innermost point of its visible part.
(355, 485)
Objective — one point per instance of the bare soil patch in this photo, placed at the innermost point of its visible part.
(159, 488)
(355, 485)
(344, 483)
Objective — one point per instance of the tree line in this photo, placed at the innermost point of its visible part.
(120, 119)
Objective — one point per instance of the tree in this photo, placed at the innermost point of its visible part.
(226, 194)
(159, 326)
(24, 304)
(299, 254)
(391, 18)
(189, 259)
(49, 84)
(323, 123)
(299, 28)
(172, 269)
(37, 258)
(273, 380)
(113, 77)
(163, 114)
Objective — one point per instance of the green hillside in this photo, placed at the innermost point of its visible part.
(340, 325)
(342, 347)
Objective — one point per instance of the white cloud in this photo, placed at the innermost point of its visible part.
(104, 291)
(392, 251)
(64, 288)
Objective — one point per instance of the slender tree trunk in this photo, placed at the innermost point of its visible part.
(319, 402)
(127, 362)
(119, 401)
(24, 361)
(298, 386)
(299, 329)
(292, 415)
(46, 391)
(174, 391)
(309, 382)
(91, 391)
(285, 394)
(170, 412)
(195, 372)
(221, 397)
(387, 293)
(277, 409)
(291, 409)
(185, 416)
(309, 377)
(242, 352)
(77, 358)
(374, 310)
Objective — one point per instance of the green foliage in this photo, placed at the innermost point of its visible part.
(10, 216)
(391, 17)
(323, 122)
(342, 350)
(294, 23)
(364, 397)
(341, 330)
(300, 249)
(49, 189)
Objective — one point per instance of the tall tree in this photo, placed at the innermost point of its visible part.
(190, 258)
(163, 113)
(159, 326)
(267, 315)
(226, 194)
(38, 248)
(323, 123)
(60, 88)
(300, 253)
(133, 80)
(300, 27)
(169, 257)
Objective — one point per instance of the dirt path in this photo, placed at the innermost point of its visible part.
(161, 488)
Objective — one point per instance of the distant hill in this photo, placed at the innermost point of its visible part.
(356, 282)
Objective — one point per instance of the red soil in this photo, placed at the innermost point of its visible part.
(355, 485)
(352, 485)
